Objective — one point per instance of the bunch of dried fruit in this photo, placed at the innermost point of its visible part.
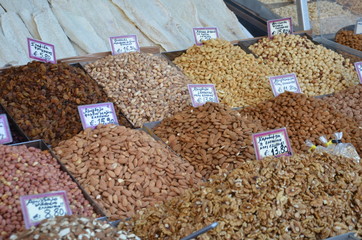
(73, 227)
(27, 171)
(210, 137)
(144, 86)
(125, 170)
(240, 79)
(298, 197)
(43, 99)
(305, 118)
(319, 70)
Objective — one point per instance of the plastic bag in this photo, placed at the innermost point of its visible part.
(329, 145)
(314, 148)
(344, 149)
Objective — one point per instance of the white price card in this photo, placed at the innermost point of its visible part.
(38, 207)
(283, 83)
(358, 66)
(279, 26)
(95, 114)
(41, 51)
(5, 134)
(202, 93)
(203, 34)
(124, 44)
(358, 27)
(272, 143)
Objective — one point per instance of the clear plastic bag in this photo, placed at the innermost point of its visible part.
(329, 145)
(344, 149)
(314, 148)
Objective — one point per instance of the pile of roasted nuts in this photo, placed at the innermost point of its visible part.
(350, 39)
(144, 86)
(125, 170)
(319, 70)
(43, 98)
(348, 102)
(240, 79)
(298, 197)
(27, 171)
(210, 137)
(304, 118)
(353, 5)
(73, 227)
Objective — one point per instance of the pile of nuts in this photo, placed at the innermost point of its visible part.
(15, 133)
(43, 99)
(144, 86)
(73, 227)
(27, 171)
(353, 5)
(319, 70)
(125, 170)
(240, 79)
(350, 39)
(210, 137)
(348, 102)
(298, 197)
(305, 118)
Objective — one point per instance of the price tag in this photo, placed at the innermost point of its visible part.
(38, 207)
(203, 34)
(94, 114)
(202, 93)
(41, 51)
(123, 44)
(358, 27)
(272, 143)
(5, 134)
(282, 83)
(279, 26)
(358, 66)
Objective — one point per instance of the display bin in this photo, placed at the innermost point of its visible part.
(16, 132)
(332, 21)
(346, 236)
(40, 144)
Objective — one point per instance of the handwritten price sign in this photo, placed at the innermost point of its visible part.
(272, 143)
(203, 34)
(202, 93)
(95, 114)
(5, 134)
(358, 66)
(41, 51)
(38, 207)
(279, 26)
(123, 44)
(282, 83)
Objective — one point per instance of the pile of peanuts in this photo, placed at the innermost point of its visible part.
(27, 171)
(73, 227)
(43, 98)
(305, 118)
(350, 39)
(348, 102)
(125, 170)
(298, 197)
(144, 86)
(210, 137)
(240, 79)
(319, 70)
